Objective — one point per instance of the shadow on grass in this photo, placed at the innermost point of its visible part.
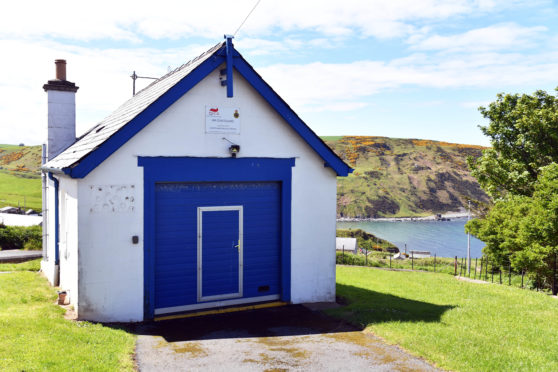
(365, 307)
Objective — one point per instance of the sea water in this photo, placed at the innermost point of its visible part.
(443, 238)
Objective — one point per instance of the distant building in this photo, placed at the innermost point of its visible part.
(188, 197)
(346, 244)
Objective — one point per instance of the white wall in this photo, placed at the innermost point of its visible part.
(47, 264)
(69, 230)
(111, 267)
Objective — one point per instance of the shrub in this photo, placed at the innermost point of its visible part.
(21, 237)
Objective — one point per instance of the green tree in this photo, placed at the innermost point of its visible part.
(524, 230)
(523, 132)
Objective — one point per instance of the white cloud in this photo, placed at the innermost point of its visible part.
(103, 76)
(127, 20)
(317, 86)
(508, 36)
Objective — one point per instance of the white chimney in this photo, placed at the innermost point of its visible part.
(61, 111)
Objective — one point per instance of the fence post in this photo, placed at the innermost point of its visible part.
(461, 267)
(492, 272)
(509, 275)
(522, 276)
(434, 262)
(412, 260)
(390, 259)
(500, 270)
(366, 259)
(480, 275)
(343, 257)
(475, 275)
(554, 287)
(455, 266)
(486, 270)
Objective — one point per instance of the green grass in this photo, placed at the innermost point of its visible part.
(15, 189)
(456, 325)
(381, 259)
(33, 265)
(36, 337)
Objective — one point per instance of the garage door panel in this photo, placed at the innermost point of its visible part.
(176, 239)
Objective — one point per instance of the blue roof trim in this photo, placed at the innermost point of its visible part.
(113, 143)
(119, 138)
(330, 158)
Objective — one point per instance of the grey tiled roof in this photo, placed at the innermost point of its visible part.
(125, 113)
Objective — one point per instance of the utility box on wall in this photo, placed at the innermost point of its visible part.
(194, 195)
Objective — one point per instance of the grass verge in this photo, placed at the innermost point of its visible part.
(15, 190)
(382, 259)
(457, 325)
(36, 337)
(33, 265)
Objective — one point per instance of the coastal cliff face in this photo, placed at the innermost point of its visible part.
(404, 177)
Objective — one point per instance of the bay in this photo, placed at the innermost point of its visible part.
(443, 238)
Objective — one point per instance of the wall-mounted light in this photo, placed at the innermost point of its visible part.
(234, 149)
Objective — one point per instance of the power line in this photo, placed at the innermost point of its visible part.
(245, 19)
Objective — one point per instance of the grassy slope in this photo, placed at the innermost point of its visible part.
(457, 325)
(20, 176)
(36, 337)
(403, 177)
(33, 265)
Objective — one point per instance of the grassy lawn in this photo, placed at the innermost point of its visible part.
(36, 337)
(456, 325)
(33, 265)
(381, 259)
(14, 189)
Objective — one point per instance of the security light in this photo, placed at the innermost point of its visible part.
(234, 149)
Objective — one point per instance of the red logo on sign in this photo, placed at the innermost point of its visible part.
(215, 110)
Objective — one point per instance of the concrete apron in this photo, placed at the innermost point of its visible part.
(291, 338)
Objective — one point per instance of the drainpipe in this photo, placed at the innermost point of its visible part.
(56, 230)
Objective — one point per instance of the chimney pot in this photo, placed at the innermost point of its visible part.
(60, 69)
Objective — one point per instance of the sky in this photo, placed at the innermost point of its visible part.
(398, 68)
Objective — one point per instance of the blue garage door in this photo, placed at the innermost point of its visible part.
(216, 242)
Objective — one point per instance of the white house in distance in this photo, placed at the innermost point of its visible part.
(204, 190)
(346, 244)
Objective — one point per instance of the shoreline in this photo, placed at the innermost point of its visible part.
(432, 218)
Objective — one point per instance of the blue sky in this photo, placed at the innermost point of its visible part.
(409, 69)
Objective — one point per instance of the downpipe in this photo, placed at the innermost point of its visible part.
(56, 230)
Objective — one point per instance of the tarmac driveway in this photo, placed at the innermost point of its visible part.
(291, 338)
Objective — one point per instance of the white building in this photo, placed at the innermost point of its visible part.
(346, 245)
(191, 195)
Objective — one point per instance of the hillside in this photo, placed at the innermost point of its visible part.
(392, 178)
(20, 177)
(403, 177)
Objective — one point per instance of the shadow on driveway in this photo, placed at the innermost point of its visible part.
(292, 338)
(277, 321)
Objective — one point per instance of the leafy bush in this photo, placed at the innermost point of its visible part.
(21, 237)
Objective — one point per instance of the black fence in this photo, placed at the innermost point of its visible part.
(491, 271)
(483, 269)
